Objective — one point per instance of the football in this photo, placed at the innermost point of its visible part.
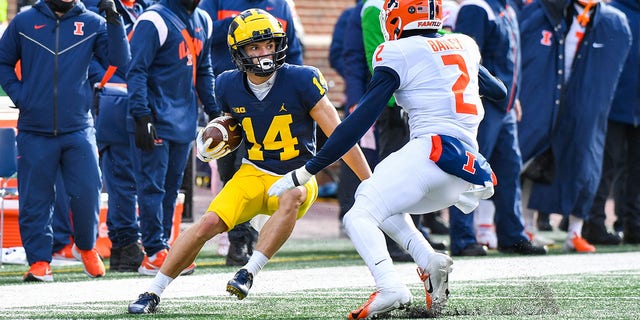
(223, 129)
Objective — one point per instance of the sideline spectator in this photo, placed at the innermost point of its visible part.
(243, 237)
(65, 139)
(569, 53)
(287, 100)
(621, 164)
(166, 76)
(116, 160)
(493, 24)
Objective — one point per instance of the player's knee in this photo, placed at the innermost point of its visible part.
(291, 200)
(355, 216)
(210, 225)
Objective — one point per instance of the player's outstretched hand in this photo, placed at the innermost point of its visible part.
(206, 153)
(290, 180)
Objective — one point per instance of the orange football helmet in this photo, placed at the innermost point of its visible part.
(398, 16)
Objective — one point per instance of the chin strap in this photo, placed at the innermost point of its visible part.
(583, 18)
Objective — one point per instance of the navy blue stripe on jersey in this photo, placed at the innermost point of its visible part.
(384, 83)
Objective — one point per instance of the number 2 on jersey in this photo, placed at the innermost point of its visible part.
(461, 84)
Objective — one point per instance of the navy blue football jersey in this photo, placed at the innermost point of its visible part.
(279, 133)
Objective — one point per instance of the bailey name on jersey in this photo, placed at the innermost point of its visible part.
(443, 44)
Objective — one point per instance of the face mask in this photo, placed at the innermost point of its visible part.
(61, 6)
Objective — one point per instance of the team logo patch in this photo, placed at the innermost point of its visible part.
(546, 38)
(78, 30)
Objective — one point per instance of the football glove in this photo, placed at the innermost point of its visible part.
(205, 152)
(145, 133)
(290, 180)
(110, 12)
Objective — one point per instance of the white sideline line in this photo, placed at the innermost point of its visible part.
(478, 268)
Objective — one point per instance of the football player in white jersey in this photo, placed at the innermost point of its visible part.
(435, 78)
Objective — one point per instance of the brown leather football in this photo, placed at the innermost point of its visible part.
(223, 129)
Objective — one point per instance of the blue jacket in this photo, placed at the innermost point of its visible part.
(337, 40)
(356, 71)
(625, 107)
(54, 95)
(571, 116)
(223, 11)
(111, 122)
(494, 26)
(99, 67)
(160, 78)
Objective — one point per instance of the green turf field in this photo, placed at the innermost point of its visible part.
(601, 295)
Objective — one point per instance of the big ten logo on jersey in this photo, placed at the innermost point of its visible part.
(184, 48)
(78, 30)
(443, 44)
(239, 109)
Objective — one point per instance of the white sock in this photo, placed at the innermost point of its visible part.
(484, 213)
(575, 226)
(369, 241)
(256, 262)
(527, 214)
(159, 283)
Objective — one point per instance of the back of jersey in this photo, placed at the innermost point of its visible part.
(438, 83)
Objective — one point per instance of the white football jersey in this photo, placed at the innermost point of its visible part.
(438, 84)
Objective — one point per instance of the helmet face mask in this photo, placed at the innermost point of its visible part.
(398, 16)
(251, 27)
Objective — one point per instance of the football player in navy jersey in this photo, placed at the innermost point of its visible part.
(278, 106)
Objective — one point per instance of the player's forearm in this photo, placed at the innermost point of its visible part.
(357, 162)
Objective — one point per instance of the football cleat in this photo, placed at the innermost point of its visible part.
(39, 271)
(151, 264)
(578, 244)
(240, 284)
(146, 303)
(93, 265)
(436, 282)
(381, 301)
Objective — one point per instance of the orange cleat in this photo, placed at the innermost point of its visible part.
(91, 260)
(381, 301)
(435, 277)
(39, 271)
(578, 244)
(151, 265)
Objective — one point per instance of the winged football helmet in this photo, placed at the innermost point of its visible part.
(255, 25)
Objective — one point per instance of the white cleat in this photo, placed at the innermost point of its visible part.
(436, 282)
(381, 301)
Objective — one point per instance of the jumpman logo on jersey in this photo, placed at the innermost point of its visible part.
(282, 108)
